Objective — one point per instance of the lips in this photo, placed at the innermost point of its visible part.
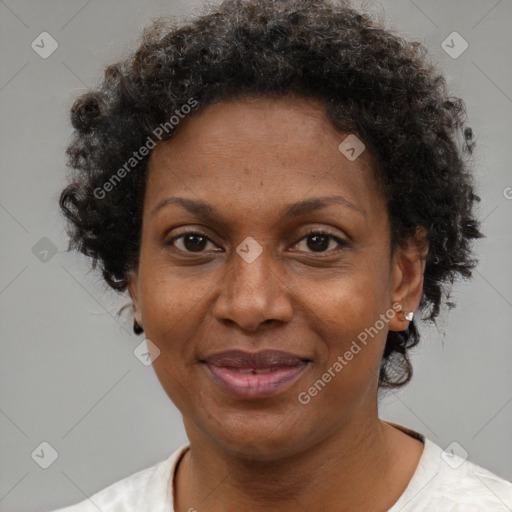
(266, 359)
(257, 375)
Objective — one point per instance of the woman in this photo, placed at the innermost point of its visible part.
(209, 166)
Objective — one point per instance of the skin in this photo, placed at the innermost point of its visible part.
(250, 158)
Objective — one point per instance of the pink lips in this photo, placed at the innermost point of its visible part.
(255, 375)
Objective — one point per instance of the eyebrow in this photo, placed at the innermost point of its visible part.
(206, 210)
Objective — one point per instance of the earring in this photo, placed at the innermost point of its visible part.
(137, 329)
(409, 316)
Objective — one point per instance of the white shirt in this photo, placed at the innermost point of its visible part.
(442, 482)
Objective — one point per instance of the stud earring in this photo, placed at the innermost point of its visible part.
(137, 329)
(409, 316)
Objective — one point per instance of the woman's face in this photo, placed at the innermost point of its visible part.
(256, 275)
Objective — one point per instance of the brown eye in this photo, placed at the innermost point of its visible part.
(319, 241)
(191, 241)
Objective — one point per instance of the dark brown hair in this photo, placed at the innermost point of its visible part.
(374, 83)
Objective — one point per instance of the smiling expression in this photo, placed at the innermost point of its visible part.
(271, 170)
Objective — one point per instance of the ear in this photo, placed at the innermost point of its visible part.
(133, 290)
(408, 267)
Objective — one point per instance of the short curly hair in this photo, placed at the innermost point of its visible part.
(372, 82)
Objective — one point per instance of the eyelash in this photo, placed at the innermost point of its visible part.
(317, 231)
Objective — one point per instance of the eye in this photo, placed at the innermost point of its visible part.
(320, 240)
(194, 241)
(191, 241)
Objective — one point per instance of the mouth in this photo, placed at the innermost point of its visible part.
(257, 375)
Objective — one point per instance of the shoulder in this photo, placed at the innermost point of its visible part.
(447, 482)
(121, 493)
(150, 486)
(466, 486)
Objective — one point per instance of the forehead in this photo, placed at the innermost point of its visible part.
(259, 150)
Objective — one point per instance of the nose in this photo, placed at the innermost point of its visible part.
(253, 293)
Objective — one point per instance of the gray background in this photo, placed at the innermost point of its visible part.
(68, 373)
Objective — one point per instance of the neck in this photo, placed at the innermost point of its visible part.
(354, 469)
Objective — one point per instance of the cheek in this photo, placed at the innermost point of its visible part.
(173, 313)
(172, 305)
(350, 353)
(343, 304)
(345, 315)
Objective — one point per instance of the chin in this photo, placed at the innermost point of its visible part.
(259, 435)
